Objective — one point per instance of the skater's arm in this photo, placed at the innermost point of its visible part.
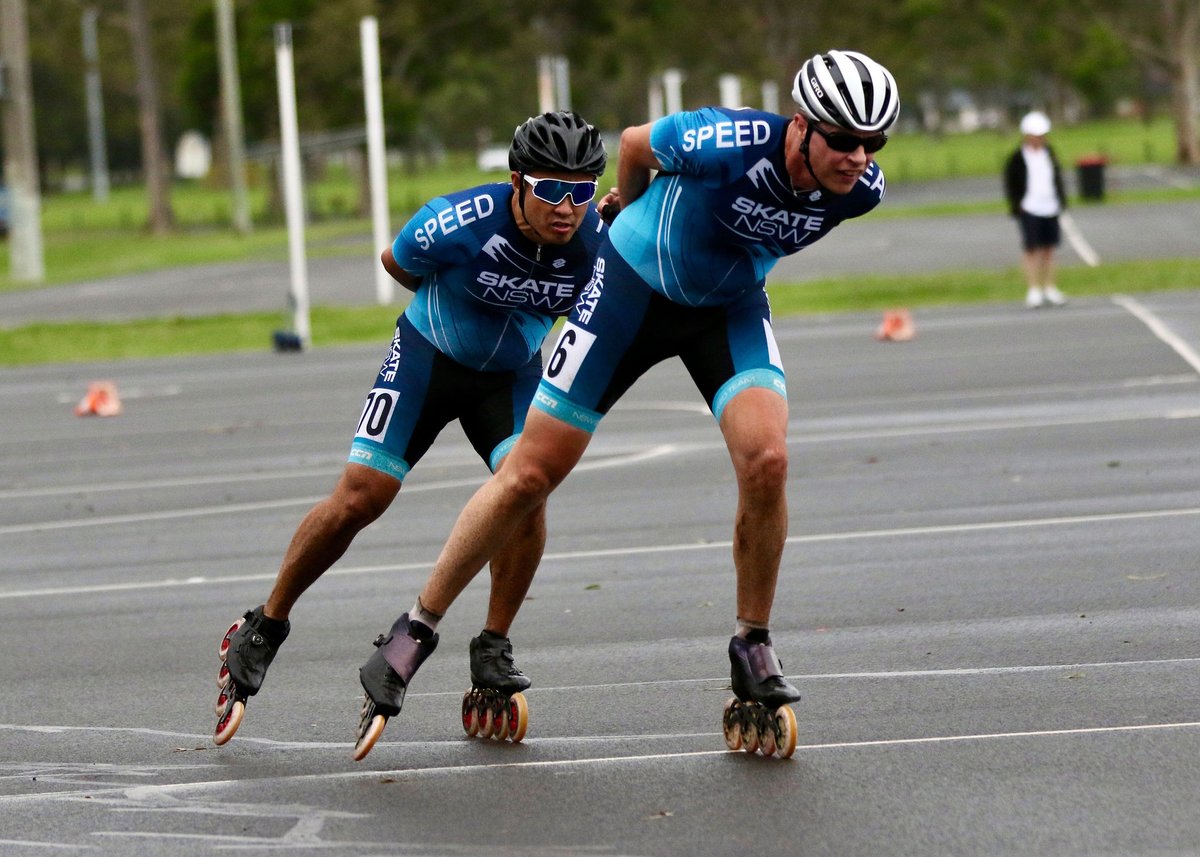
(635, 165)
(401, 276)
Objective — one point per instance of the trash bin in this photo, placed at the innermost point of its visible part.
(1091, 176)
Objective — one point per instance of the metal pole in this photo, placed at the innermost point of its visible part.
(26, 256)
(770, 96)
(293, 192)
(95, 107)
(545, 82)
(731, 90)
(654, 98)
(381, 228)
(673, 90)
(231, 107)
(562, 83)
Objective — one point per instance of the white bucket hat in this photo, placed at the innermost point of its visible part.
(1036, 124)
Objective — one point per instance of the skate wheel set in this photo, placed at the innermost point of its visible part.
(231, 703)
(370, 727)
(755, 728)
(491, 714)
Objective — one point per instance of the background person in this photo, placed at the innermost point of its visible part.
(1033, 186)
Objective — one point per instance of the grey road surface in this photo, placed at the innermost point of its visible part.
(989, 600)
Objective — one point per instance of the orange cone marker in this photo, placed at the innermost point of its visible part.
(101, 400)
(897, 327)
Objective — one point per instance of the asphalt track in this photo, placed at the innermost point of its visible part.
(989, 600)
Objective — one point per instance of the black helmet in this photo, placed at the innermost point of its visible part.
(559, 142)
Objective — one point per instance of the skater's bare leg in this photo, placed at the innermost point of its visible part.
(362, 494)
(755, 427)
(513, 568)
(546, 452)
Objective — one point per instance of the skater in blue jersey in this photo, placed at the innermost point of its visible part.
(682, 274)
(491, 268)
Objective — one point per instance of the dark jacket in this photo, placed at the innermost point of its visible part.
(1016, 177)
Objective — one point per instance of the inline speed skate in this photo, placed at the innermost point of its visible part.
(759, 717)
(246, 651)
(494, 707)
(385, 677)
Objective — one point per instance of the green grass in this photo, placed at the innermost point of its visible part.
(920, 157)
(85, 342)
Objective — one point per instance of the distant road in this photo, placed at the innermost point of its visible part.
(866, 246)
(913, 245)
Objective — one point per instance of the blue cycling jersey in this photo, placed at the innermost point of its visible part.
(722, 210)
(488, 295)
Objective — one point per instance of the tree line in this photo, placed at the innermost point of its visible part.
(458, 75)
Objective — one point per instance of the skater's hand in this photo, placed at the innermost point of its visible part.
(609, 206)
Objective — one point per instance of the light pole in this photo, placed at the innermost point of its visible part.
(27, 258)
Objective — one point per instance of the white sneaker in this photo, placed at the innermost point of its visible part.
(1054, 296)
(1034, 297)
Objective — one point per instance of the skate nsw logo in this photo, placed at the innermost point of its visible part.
(590, 296)
(509, 284)
(391, 363)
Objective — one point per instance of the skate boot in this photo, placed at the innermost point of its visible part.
(759, 718)
(385, 677)
(246, 651)
(494, 707)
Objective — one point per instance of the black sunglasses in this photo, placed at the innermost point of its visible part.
(843, 141)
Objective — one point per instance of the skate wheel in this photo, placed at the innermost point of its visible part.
(731, 725)
(222, 676)
(487, 720)
(470, 714)
(370, 734)
(228, 721)
(750, 734)
(518, 717)
(766, 731)
(370, 727)
(224, 647)
(785, 732)
(499, 718)
(224, 700)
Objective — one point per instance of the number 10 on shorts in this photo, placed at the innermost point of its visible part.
(569, 352)
(376, 414)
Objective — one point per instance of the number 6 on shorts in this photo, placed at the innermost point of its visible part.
(569, 352)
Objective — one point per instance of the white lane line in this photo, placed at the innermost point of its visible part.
(1159, 328)
(933, 530)
(145, 517)
(994, 736)
(26, 843)
(229, 508)
(142, 792)
(182, 482)
(957, 672)
(1078, 243)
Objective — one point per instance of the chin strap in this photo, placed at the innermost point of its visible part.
(808, 132)
(521, 205)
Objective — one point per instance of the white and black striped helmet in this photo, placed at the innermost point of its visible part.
(847, 89)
